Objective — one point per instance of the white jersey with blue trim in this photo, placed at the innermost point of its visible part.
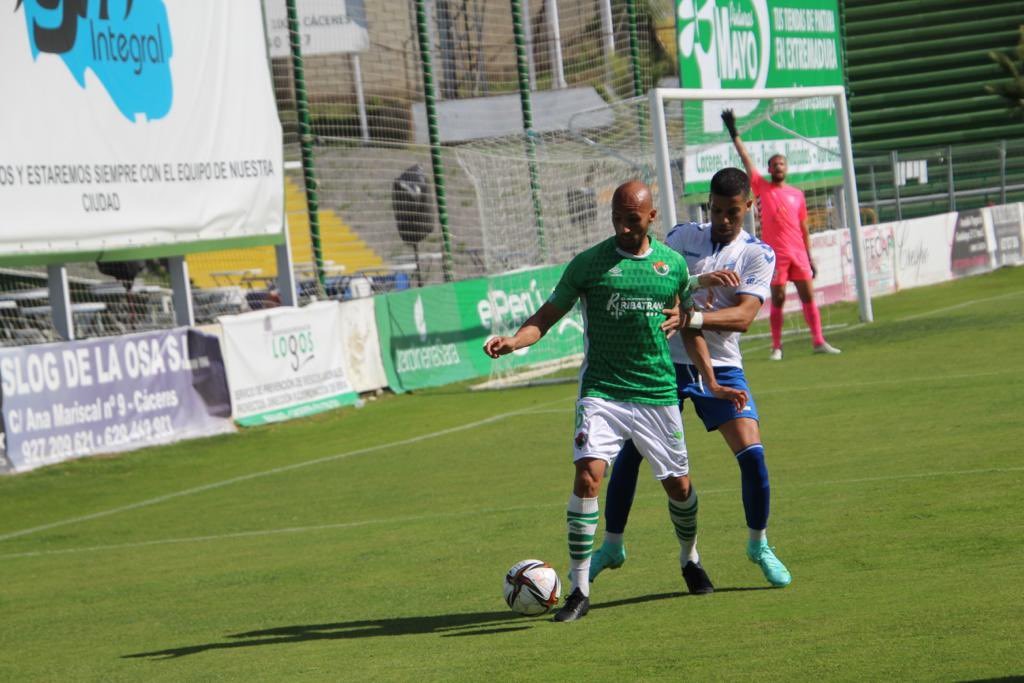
(753, 261)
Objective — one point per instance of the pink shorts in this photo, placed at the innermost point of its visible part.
(791, 267)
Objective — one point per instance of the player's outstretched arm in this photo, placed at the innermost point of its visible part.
(729, 119)
(535, 327)
(719, 278)
(732, 319)
(697, 350)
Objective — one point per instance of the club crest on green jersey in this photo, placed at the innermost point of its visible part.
(661, 268)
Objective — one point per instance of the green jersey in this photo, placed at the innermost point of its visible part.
(622, 297)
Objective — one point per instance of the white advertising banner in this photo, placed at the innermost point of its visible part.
(133, 124)
(326, 27)
(363, 365)
(286, 362)
(922, 247)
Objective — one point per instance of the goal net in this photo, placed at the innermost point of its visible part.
(810, 127)
(675, 141)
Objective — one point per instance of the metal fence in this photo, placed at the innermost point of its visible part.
(921, 182)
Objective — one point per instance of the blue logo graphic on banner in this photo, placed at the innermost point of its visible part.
(126, 44)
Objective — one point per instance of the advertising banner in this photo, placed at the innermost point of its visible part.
(286, 362)
(362, 346)
(135, 124)
(434, 335)
(915, 253)
(1006, 229)
(326, 27)
(73, 399)
(970, 252)
(923, 250)
(744, 44)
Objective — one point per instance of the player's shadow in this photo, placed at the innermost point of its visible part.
(447, 625)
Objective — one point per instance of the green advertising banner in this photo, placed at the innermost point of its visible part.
(744, 44)
(434, 335)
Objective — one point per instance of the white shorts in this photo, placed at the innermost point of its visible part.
(602, 426)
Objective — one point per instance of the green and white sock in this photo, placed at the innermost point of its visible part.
(684, 519)
(582, 517)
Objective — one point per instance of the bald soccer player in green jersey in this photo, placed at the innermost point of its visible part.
(626, 285)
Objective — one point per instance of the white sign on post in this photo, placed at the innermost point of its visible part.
(130, 124)
(326, 26)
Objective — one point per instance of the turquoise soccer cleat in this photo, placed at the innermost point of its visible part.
(608, 556)
(762, 555)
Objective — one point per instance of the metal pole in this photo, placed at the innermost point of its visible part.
(634, 60)
(666, 197)
(634, 49)
(528, 37)
(558, 70)
(530, 142)
(874, 192)
(60, 301)
(895, 160)
(306, 140)
(283, 251)
(853, 210)
(285, 275)
(446, 34)
(949, 177)
(1002, 171)
(608, 43)
(181, 291)
(430, 103)
(357, 75)
(607, 30)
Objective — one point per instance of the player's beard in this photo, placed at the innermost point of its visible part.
(630, 243)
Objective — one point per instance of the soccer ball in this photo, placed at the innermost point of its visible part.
(532, 587)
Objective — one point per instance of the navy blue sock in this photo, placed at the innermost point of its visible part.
(622, 488)
(756, 492)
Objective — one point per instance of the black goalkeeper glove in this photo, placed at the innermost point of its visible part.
(729, 119)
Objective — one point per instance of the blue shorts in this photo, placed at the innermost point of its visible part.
(714, 411)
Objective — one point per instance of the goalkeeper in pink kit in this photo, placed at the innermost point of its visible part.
(783, 212)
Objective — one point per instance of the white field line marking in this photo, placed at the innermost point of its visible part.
(789, 333)
(801, 334)
(954, 307)
(900, 380)
(266, 473)
(461, 514)
(925, 314)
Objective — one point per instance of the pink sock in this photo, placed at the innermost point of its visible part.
(776, 322)
(813, 319)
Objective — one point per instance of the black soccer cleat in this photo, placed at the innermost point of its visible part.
(697, 581)
(576, 607)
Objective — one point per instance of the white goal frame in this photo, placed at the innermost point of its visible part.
(658, 97)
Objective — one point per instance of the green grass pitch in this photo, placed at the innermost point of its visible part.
(370, 545)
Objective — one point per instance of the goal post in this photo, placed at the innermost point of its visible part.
(747, 100)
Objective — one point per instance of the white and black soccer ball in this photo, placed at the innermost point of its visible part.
(532, 587)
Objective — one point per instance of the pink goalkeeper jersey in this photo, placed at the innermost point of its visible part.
(782, 209)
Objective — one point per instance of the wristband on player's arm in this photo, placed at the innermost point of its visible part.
(696, 320)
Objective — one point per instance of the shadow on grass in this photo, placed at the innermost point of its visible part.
(447, 625)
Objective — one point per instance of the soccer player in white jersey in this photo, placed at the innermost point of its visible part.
(625, 285)
(721, 314)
